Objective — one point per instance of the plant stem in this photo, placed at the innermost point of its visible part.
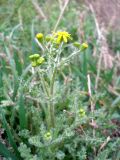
(45, 86)
(61, 15)
(52, 112)
(69, 57)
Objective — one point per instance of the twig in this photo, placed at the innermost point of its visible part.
(20, 19)
(61, 14)
(104, 144)
(38, 9)
(113, 91)
(89, 91)
(60, 4)
(98, 71)
(91, 103)
(83, 130)
(99, 41)
(96, 22)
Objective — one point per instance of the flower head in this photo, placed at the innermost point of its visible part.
(62, 36)
(47, 136)
(82, 112)
(84, 46)
(39, 36)
(36, 60)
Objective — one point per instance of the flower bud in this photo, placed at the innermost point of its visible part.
(77, 44)
(82, 112)
(48, 136)
(36, 60)
(84, 46)
(39, 36)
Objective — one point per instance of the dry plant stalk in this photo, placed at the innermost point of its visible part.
(20, 19)
(105, 56)
(38, 9)
(60, 4)
(90, 94)
(61, 14)
(104, 144)
(93, 123)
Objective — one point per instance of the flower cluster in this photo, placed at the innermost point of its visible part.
(47, 136)
(55, 38)
(36, 60)
(62, 36)
(82, 112)
(59, 37)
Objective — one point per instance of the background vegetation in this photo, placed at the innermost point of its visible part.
(94, 136)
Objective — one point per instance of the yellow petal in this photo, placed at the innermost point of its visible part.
(59, 39)
(64, 39)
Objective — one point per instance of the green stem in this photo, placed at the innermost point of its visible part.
(69, 57)
(52, 112)
(46, 91)
(45, 86)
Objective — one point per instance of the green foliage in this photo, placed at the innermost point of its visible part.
(5, 152)
(114, 40)
(22, 113)
(40, 105)
(9, 135)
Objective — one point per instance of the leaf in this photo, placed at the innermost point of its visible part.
(9, 134)
(18, 63)
(116, 101)
(5, 152)
(102, 155)
(22, 112)
(84, 69)
(60, 155)
(14, 72)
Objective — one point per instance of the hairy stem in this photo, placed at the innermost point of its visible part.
(52, 112)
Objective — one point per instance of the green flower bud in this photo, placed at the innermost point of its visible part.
(48, 136)
(34, 56)
(36, 60)
(82, 112)
(34, 64)
(84, 46)
(40, 60)
(77, 44)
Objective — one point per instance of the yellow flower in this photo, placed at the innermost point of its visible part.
(47, 136)
(62, 36)
(36, 60)
(84, 46)
(82, 112)
(39, 36)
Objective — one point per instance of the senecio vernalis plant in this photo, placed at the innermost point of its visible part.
(49, 62)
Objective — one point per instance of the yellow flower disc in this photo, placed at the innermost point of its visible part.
(39, 36)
